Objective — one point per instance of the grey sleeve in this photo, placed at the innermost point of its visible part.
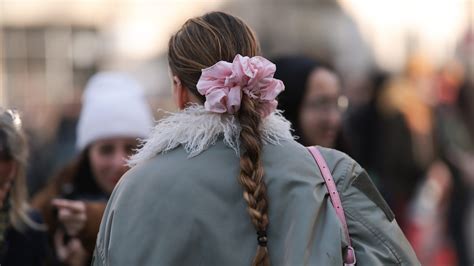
(96, 259)
(146, 223)
(99, 255)
(376, 236)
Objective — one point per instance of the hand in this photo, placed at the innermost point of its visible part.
(72, 214)
(72, 253)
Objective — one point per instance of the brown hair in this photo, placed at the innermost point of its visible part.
(200, 43)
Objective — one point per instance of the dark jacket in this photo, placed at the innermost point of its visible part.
(29, 248)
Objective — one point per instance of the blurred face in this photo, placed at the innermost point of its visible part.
(7, 173)
(320, 115)
(107, 159)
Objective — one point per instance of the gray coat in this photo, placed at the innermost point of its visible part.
(176, 210)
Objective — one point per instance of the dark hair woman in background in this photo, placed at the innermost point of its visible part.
(312, 101)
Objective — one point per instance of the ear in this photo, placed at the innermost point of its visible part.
(180, 93)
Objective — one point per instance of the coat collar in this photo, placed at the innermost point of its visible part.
(197, 129)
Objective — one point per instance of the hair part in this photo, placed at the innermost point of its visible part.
(200, 43)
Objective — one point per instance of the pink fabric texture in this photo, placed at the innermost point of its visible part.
(223, 84)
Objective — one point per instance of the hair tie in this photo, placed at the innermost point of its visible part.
(223, 84)
(262, 238)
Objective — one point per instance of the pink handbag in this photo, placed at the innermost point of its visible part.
(349, 256)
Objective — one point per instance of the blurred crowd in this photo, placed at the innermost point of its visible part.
(413, 131)
(413, 134)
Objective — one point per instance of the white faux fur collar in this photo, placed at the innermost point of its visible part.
(197, 129)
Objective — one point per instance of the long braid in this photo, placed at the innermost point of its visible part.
(251, 176)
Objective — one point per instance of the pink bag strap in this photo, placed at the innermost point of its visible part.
(350, 258)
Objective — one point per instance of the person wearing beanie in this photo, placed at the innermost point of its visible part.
(114, 116)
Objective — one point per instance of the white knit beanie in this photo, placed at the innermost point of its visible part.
(113, 105)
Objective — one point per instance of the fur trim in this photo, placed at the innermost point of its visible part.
(197, 129)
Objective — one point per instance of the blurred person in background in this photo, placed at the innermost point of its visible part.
(23, 237)
(49, 154)
(400, 121)
(456, 150)
(113, 116)
(312, 101)
(182, 204)
(381, 141)
(419, 149)
(464, 159)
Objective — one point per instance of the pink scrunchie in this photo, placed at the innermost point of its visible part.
(224, 82)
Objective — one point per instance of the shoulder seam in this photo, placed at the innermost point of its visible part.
(341, 184)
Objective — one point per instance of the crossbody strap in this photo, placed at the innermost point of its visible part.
(350, 258)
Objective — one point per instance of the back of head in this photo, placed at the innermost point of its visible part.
(203, 41)
(199, 44)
